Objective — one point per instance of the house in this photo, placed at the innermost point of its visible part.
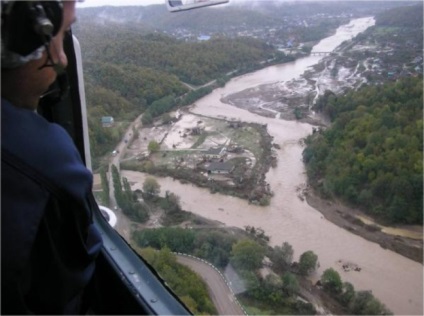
(220, 167)
(107, 121)
(215, 152)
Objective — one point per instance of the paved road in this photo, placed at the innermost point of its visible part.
(123, 223)
(219, 292)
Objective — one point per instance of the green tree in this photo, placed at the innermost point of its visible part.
(166, 118)
(247, 254)
(290, 283)
(307, 262)
(331, 281)
(348, 294)
(131, 206)
(147, 118)
(153, 146)
(282, 257)
(171, 202)
(117, 186)
(176, 239)
(105, 187)
(151, 187)
(366, 304)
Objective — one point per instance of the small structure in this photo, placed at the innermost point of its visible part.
(107, 121)
(203, 38)
(215, 152)
(220, 167)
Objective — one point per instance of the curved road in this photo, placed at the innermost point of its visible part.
(219, 291)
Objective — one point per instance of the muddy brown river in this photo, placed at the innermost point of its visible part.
(394, 279)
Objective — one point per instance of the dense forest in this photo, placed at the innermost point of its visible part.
(407, 16)
(372, 155)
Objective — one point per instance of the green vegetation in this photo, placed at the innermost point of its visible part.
(355, 303)
(372, 154)
(214, 246)
(331, 281)
(274, 295)
(184, 60)
(282, 257)
(311, 34)
(158, 108)
(153, 146)
(102, 139)
(105, 198)
(290, 283)
(407, 16)
(307, 262)
(151, 188)
(127, 200)
(247, 254)
(189, 287)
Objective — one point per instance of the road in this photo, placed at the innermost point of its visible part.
(123, 223)
(219, 291)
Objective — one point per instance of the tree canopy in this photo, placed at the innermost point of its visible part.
(247, 255)
(151, 187)
(307, 262)
(331, 281)
(372, 154)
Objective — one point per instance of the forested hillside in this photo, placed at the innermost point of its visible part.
(372, 155)
(128, 69)
(194, 63)
(408, 16)
(222, 19)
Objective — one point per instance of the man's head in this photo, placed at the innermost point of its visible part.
(33, 49)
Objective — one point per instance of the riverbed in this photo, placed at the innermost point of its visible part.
(395, 280)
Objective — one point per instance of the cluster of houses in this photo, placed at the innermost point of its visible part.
(282, 34)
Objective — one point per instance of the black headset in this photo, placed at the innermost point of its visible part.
(28, 25)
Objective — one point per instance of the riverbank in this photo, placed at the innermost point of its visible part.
(349, 219)
(292, 100)
(269, 96)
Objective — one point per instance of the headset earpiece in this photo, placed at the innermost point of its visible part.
(30, 25)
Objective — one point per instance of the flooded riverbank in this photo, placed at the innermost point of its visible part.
(394, 279)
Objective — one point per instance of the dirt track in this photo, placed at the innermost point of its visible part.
(219, 292)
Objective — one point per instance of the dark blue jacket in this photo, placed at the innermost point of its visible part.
(48, 241)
